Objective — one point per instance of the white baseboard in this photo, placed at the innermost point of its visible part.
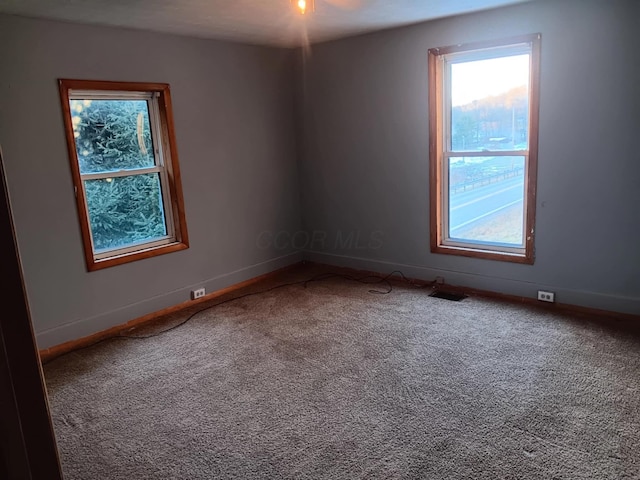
(88, 326)
(566, 296)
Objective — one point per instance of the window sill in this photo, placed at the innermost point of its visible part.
(525, 258)
(95, 264)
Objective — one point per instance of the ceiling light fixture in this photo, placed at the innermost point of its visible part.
(303, 5)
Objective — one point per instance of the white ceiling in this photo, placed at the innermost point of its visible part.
(269, 22)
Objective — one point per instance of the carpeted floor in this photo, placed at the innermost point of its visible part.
(334, 382)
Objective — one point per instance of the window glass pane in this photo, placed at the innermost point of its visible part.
(111, 135)
(486, 200)
(125, 211)
(490, 104)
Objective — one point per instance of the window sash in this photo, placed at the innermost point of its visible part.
(486, 153)
(100, 254)
(120, 173)
(159, 160)
(470, 56)
(445, 214)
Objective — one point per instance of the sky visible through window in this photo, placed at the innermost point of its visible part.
(483, 78)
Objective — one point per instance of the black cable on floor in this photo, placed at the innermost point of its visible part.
(367, 279)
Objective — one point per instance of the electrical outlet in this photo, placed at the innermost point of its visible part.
(198, 293)
(546, 296)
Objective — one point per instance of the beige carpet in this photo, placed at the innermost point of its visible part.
(334, 382)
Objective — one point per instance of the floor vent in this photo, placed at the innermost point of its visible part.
(454, 297)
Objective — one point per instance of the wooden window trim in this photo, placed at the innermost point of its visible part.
(436, 149)
(174, 183)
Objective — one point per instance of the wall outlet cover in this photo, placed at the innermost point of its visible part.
(545, 296)
(198, 293)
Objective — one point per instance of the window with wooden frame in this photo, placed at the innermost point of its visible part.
(483, 114)
(124, 163)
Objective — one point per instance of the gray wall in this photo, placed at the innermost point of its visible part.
(364, 168)
(362, 171)
(233, 109)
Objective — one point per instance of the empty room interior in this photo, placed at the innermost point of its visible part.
(330, 239)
